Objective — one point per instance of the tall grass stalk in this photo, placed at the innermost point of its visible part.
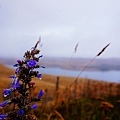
(103, 49)
(69, 62)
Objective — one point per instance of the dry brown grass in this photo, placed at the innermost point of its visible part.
(48, 82)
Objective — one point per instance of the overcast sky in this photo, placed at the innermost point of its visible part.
(61, 25)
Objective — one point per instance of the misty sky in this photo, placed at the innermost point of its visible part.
(61, 25)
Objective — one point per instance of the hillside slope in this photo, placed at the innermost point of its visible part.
(48, 83)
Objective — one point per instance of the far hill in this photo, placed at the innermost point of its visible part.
(74, 63)
(80, 63)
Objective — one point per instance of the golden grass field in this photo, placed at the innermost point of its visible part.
(49, 82)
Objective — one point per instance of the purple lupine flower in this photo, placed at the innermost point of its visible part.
(7, 92)
(39, 76)
(3, 117)
(20, 112)
(4, 103)
(31, 63)
(41, 93)
(34, 106)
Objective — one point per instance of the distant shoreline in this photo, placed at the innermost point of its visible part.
(108, 76)
(76, 64)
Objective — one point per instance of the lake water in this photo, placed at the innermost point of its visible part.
(112, 76)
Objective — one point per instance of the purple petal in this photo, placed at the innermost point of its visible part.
(34, 106)
(17, 71)
(7, 92)
(3, 117)
(16, 84)
(20, 112)
(4, 103)
(12, 76)
(31, 63)
(15, 65)
(41, 93)
(39, 76)
(40, 56)
(19, 62)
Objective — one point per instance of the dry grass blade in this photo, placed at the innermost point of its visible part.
(103, 50)
(75, 50)
(50, 116)
(88, 65)
(37, 42)
(56, 113)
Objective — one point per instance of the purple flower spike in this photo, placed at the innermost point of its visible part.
(7, 92)
(20, 112)
(3, 117)
(31, 63)
(39, 76)
(41, 93)
(34, 106)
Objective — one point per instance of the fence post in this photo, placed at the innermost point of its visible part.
(57, 87)
(57, 83)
